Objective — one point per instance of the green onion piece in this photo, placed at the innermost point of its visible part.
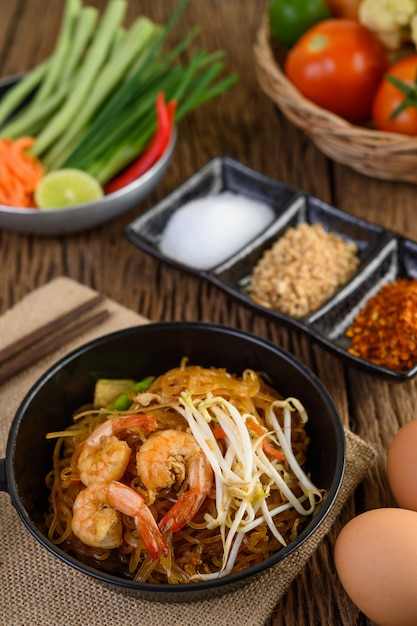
(31, 120)
(15, 96)
(94, 60)
(143, 384)
(83, 32)
(61, 51)
(124, 401)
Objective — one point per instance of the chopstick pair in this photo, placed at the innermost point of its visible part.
(18, 356)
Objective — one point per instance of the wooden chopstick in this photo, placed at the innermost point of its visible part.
(18, 356)
(32, 337)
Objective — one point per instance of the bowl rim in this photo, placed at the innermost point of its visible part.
(175, 591)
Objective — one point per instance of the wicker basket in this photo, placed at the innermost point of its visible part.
(377, 154)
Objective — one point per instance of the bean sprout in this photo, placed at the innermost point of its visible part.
(244, 475)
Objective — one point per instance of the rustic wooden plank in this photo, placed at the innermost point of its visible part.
(391, 205)
(10, 15)
(31, 35)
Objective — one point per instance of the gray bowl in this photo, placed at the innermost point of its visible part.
(152, 349)
(90, 214)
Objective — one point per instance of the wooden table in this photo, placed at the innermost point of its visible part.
(243, 125)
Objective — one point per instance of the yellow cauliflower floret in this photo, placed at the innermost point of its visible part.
(413, 26)
(392, 21)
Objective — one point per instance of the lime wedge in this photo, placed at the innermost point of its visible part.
(65, 188)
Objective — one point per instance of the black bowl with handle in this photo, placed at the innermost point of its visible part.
(152, 349)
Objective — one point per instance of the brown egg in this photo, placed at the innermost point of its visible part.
(402, 466)
(376, 560)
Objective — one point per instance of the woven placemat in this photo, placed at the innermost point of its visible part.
(37, 588)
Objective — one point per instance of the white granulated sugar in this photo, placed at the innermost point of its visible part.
(208, 230)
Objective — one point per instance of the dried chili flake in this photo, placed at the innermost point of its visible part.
(385, 330)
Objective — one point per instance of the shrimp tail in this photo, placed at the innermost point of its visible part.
(130, 502)
(151, 535)
(183, 511)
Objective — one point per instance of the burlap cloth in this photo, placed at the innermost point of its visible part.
(38, 589)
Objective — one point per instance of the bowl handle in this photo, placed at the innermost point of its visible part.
(3, 477)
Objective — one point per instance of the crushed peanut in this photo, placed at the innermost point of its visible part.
(302, 270)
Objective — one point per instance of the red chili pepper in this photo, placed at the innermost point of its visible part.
(165, 120)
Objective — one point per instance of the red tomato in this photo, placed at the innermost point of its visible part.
(388, 98)
(338, 64)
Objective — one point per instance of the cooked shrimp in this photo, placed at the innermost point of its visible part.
(97, 522)
(94, 521)
(173, 457)
(104, 456)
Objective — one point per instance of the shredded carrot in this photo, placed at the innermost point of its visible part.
(256, 428)
(20, 172)
(270, 450)
(267, 447)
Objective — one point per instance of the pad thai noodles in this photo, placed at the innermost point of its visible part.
(189, 476)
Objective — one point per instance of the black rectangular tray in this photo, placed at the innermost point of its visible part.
(383, 254)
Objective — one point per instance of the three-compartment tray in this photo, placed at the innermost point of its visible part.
(383, 254)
